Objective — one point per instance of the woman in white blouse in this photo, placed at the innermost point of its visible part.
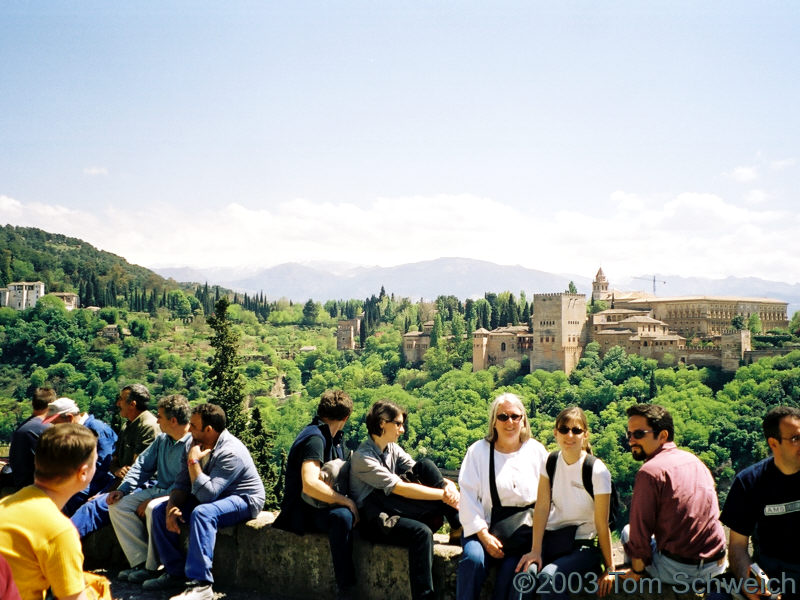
(518, 462)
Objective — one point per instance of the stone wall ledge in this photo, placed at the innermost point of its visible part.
(255, 556)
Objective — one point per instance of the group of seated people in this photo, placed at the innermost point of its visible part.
(539, 519)
(182, 467)
(542, 519)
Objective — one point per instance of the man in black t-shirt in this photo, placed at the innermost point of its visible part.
(319, 443)
(25, 438)
(764, 503)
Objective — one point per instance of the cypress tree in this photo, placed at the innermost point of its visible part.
(261, 443)
(436, 332)
(227, 387)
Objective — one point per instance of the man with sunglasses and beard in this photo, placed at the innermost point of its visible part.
(674, 533)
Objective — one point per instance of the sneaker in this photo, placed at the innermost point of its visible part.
(165, 582)
(141, 575)
(126, 573)
(196, 590)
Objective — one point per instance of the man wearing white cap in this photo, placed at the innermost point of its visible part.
(65, 410)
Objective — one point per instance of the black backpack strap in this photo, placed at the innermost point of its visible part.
(586, 473)
(550, 467)
(492, 483)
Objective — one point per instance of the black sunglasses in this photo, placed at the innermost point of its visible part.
(638, 433)
(505, 417)
(564, 430)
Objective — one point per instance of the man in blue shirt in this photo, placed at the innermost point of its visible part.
(218, 486)
(65, 410)
(131, 501)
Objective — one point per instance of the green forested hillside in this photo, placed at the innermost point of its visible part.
(68, 264)
(289, 357)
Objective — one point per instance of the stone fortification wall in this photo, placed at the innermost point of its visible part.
(752, 356)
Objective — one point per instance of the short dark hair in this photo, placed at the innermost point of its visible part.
(658, 418)
(211, 415)
(138, 393)
(383, 411)
(335, 405)
(772, 421)
(62, 450)
(176, 405)
(42, 396)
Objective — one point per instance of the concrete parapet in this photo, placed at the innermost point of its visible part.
(255, 556)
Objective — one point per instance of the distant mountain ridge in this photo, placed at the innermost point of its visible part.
(66, 263)
(463, 278)
(459, 277)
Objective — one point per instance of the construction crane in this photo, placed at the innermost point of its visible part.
(654, 280)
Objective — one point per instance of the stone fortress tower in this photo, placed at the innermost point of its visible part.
(600, 286)
(559, 331)
(665, 329)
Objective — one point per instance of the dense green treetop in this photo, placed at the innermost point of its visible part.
(171, 348)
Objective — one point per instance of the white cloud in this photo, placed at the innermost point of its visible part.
(626, 201)
(743, 174)
(756, 197)
(9, 207)
(780, 165)
(687, 234)
(95, 171)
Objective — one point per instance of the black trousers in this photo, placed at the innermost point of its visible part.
(416, 521)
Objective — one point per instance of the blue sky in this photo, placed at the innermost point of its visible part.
(641, 136)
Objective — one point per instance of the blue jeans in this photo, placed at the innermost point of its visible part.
(473, 569)
(582, 559)
(338, 524)
(100, 483)
(91, 516)
(204, 521)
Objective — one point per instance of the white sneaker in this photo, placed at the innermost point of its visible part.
(195, 590)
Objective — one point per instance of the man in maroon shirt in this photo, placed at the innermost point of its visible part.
(674, 533)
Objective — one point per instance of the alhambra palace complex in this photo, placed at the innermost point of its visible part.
(638, 322)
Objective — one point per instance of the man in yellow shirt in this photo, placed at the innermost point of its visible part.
(40, 544)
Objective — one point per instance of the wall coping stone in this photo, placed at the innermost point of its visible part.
(254, 555)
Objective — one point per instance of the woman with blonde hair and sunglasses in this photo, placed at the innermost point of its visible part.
(570, 526)
(518, 461)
